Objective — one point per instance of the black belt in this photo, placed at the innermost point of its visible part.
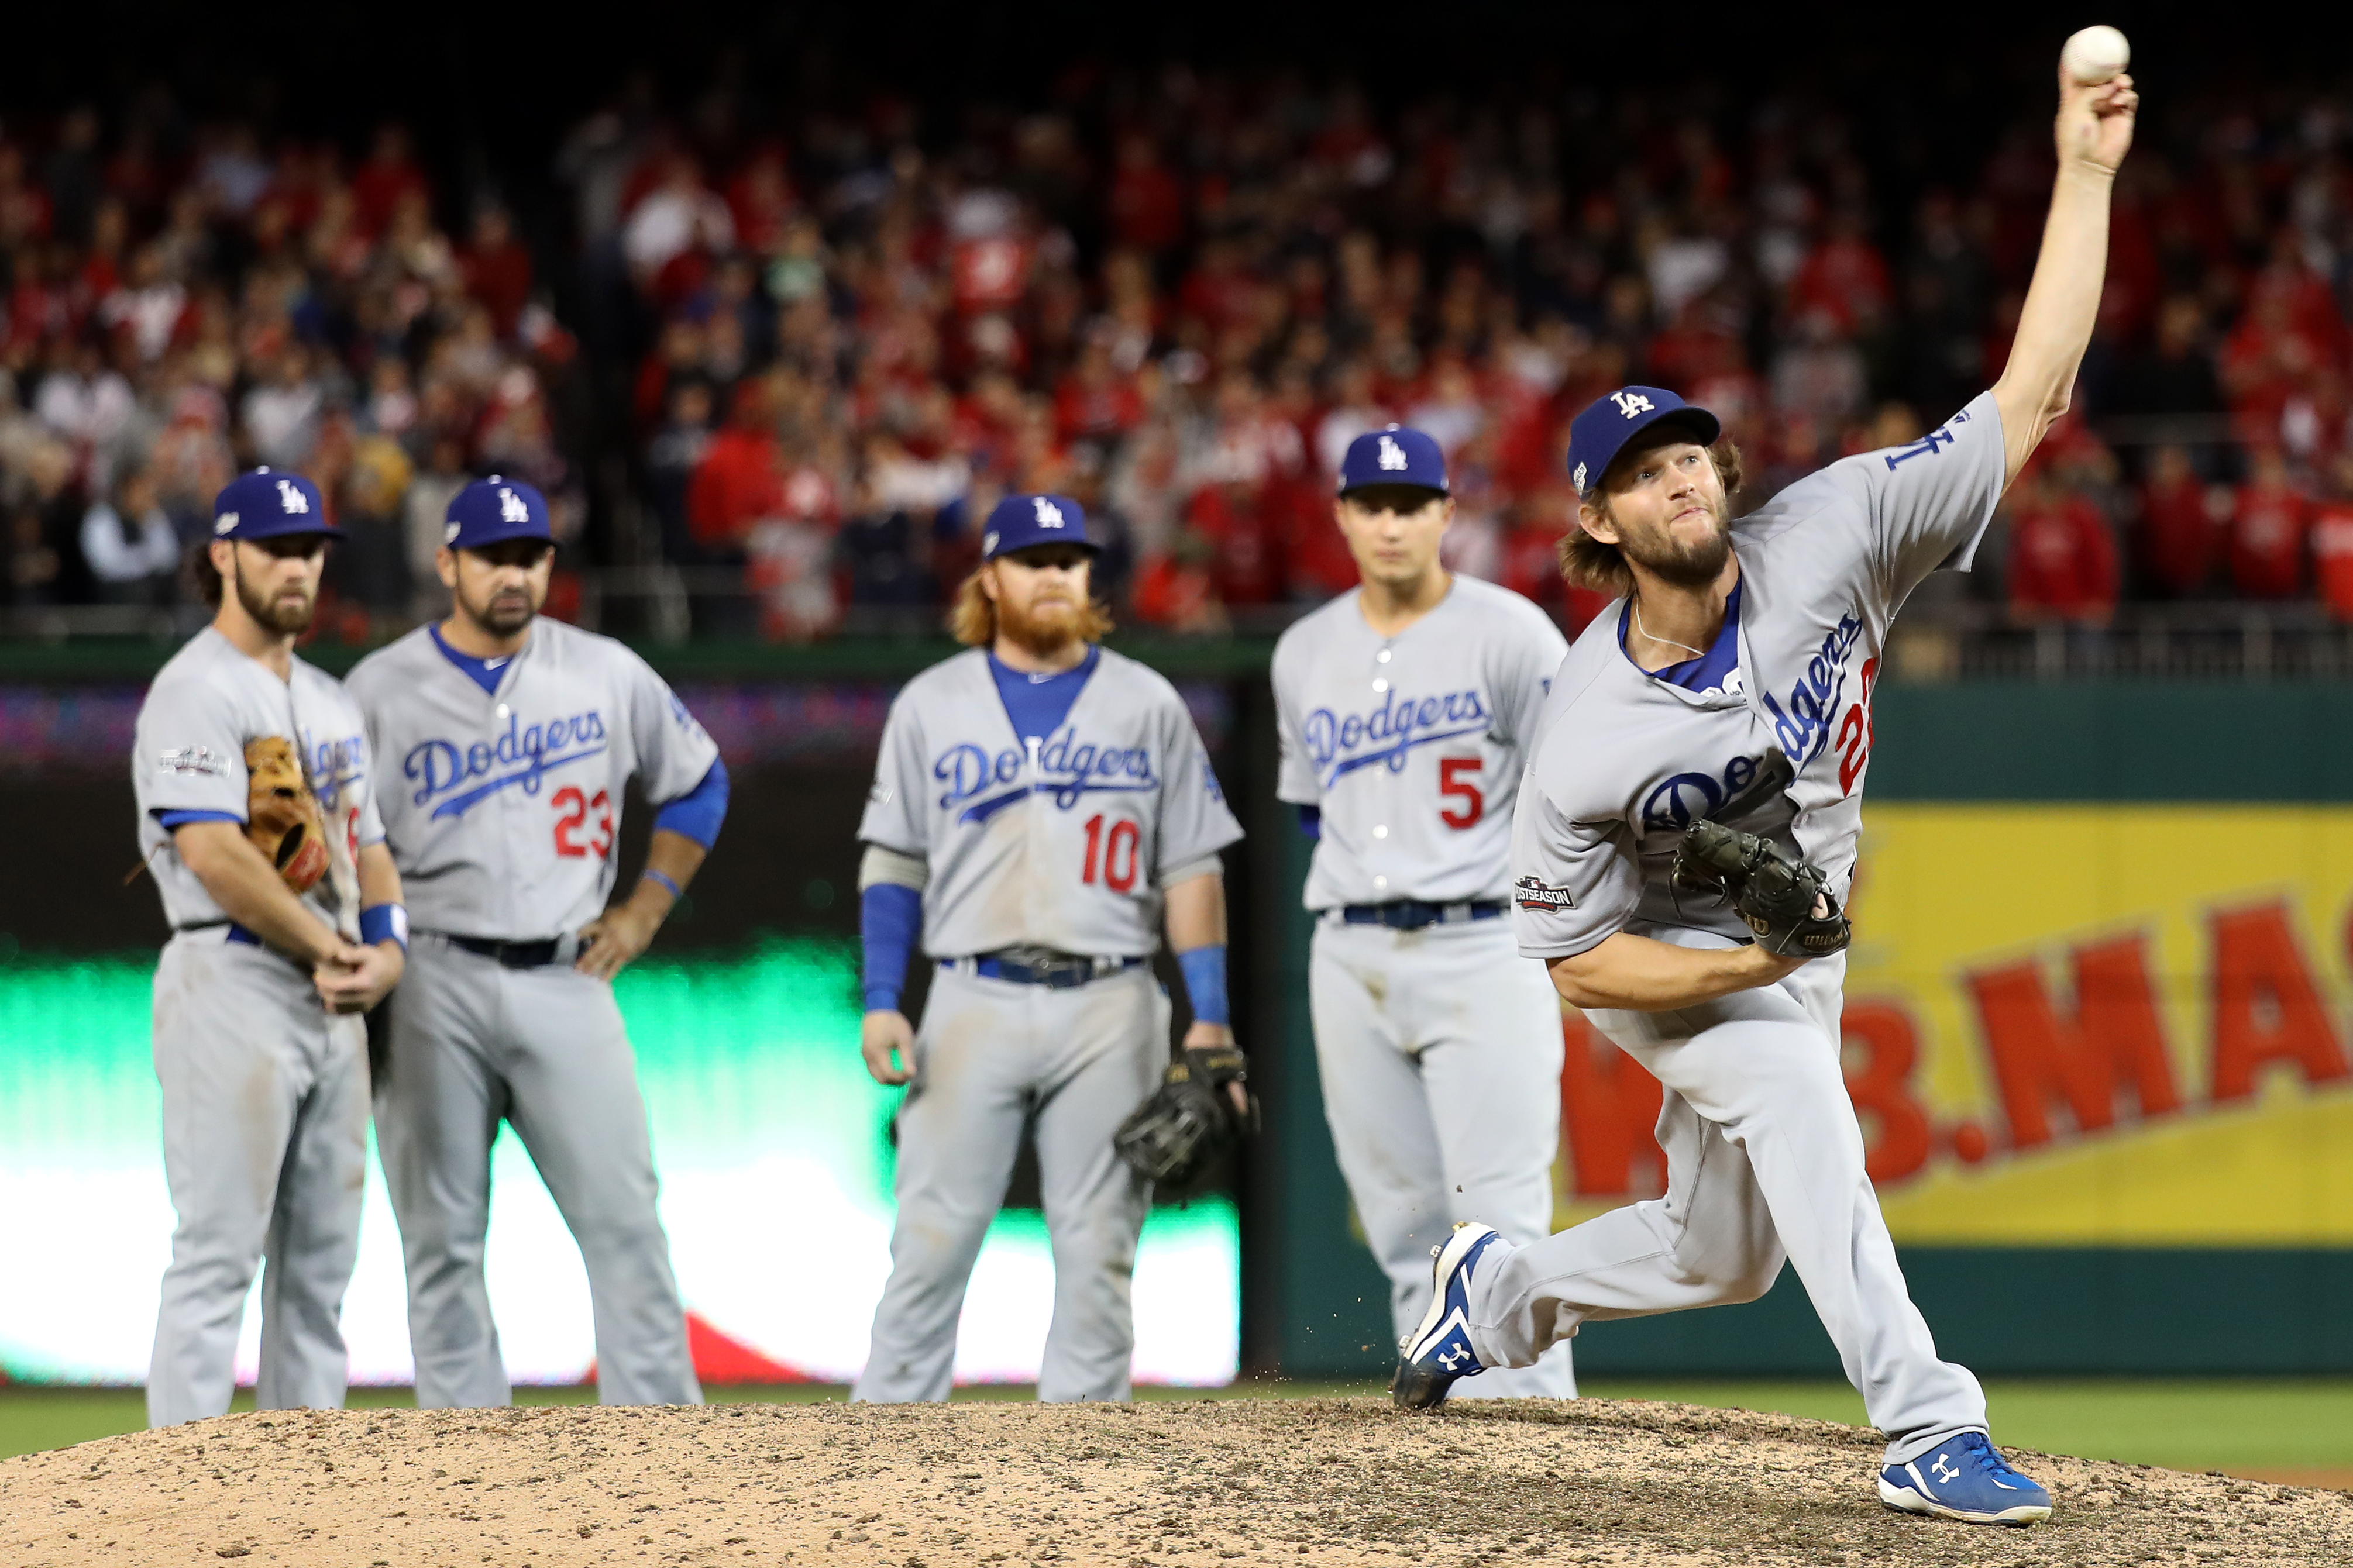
(511, 954)
(237, 932)
(1039, 967)
(1412, 914)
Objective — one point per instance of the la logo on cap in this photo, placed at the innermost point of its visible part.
(1049, 514)
(1392, 456)
(511, 508)
(1631, 404)
(290, 498)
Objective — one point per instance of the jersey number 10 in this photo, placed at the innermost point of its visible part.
(1116, 859)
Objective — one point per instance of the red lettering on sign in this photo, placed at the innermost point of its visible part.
(2113, 1038)
(2265, 1006)
(1882, 1036)
(1610, 1110)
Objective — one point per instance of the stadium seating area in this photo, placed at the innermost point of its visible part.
(779, 363)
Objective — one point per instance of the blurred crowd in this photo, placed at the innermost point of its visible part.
(184, 302)
(786, 359)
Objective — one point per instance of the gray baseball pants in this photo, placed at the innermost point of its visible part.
(990, 1055)
(1764, 1162)
(474, 1043)
(1439, 1051)
(265, 1148)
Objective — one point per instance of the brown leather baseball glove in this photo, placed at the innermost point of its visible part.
(282, 815)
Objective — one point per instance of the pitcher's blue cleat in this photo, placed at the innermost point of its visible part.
(1964, 1477)
(1434, 1355)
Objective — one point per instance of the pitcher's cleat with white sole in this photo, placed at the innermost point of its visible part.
(1964, 1477)
(1432, 1357)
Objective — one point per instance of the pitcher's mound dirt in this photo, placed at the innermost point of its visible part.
(922, 1487)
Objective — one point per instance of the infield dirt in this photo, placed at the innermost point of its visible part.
(1592, 1481)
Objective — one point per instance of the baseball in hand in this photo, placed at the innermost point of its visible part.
(2094, 55)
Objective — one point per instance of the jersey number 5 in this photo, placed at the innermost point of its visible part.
(1470, 805)
(574, 809)
(1115, 858)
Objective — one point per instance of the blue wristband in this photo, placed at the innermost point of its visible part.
(656, 876)
(384, 923)
(1205, 983)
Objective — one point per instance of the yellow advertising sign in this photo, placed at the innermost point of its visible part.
(2073, 1024)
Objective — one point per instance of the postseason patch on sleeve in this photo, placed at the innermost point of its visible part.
(182, 761)
(1530, 893)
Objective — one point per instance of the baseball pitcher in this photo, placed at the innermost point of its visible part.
(256, 814)
(1405, 710)
(508, 741)
(1041, 805)
(1701, 761)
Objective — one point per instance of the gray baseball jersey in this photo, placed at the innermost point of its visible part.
(255, 1074)
(1059, 846)
(1624, 763)
(1413, 746)
(503, 810)
(1765, 1160)
(188, 756)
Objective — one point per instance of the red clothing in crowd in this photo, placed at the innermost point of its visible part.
(2180, 536)
(1243, 562)
(2332, 556)
(739, 482)
(2267, 541)
(1147, 208)
(1843, 276)
(500, 277)
(2062, 560)
(378, 185)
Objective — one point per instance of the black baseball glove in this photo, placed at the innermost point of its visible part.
(1785, 900)
(1173, 1137)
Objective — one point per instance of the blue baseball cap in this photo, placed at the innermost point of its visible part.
(1597, 436)
(1396, 456)
(1017, 522)
(489, 510)
(266, 503)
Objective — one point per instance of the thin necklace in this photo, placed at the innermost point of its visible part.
(1695, 652)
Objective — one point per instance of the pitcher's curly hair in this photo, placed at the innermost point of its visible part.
(1586, 562)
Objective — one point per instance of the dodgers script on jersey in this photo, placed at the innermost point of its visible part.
(1059, 845)
(1625, 763)
(189, 755)
(1413, 746)
(504, 809)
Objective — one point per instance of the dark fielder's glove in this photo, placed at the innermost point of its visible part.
(1190, 1120)
(1777, 894)
(282, 815)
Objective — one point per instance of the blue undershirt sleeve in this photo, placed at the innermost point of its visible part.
(1310, 821)
(698, 812)
(889, 916)
(173, 820)
(1205, 983)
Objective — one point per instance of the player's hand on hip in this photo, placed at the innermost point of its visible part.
(887, 1041)
(356, 978)
(1206, 1036)
(610, 941)
(2094, 129)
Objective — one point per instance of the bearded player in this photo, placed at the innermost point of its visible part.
(257, 813)
(1731, 684)
(510, 740)
(1406, 710)
(1041, 807)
